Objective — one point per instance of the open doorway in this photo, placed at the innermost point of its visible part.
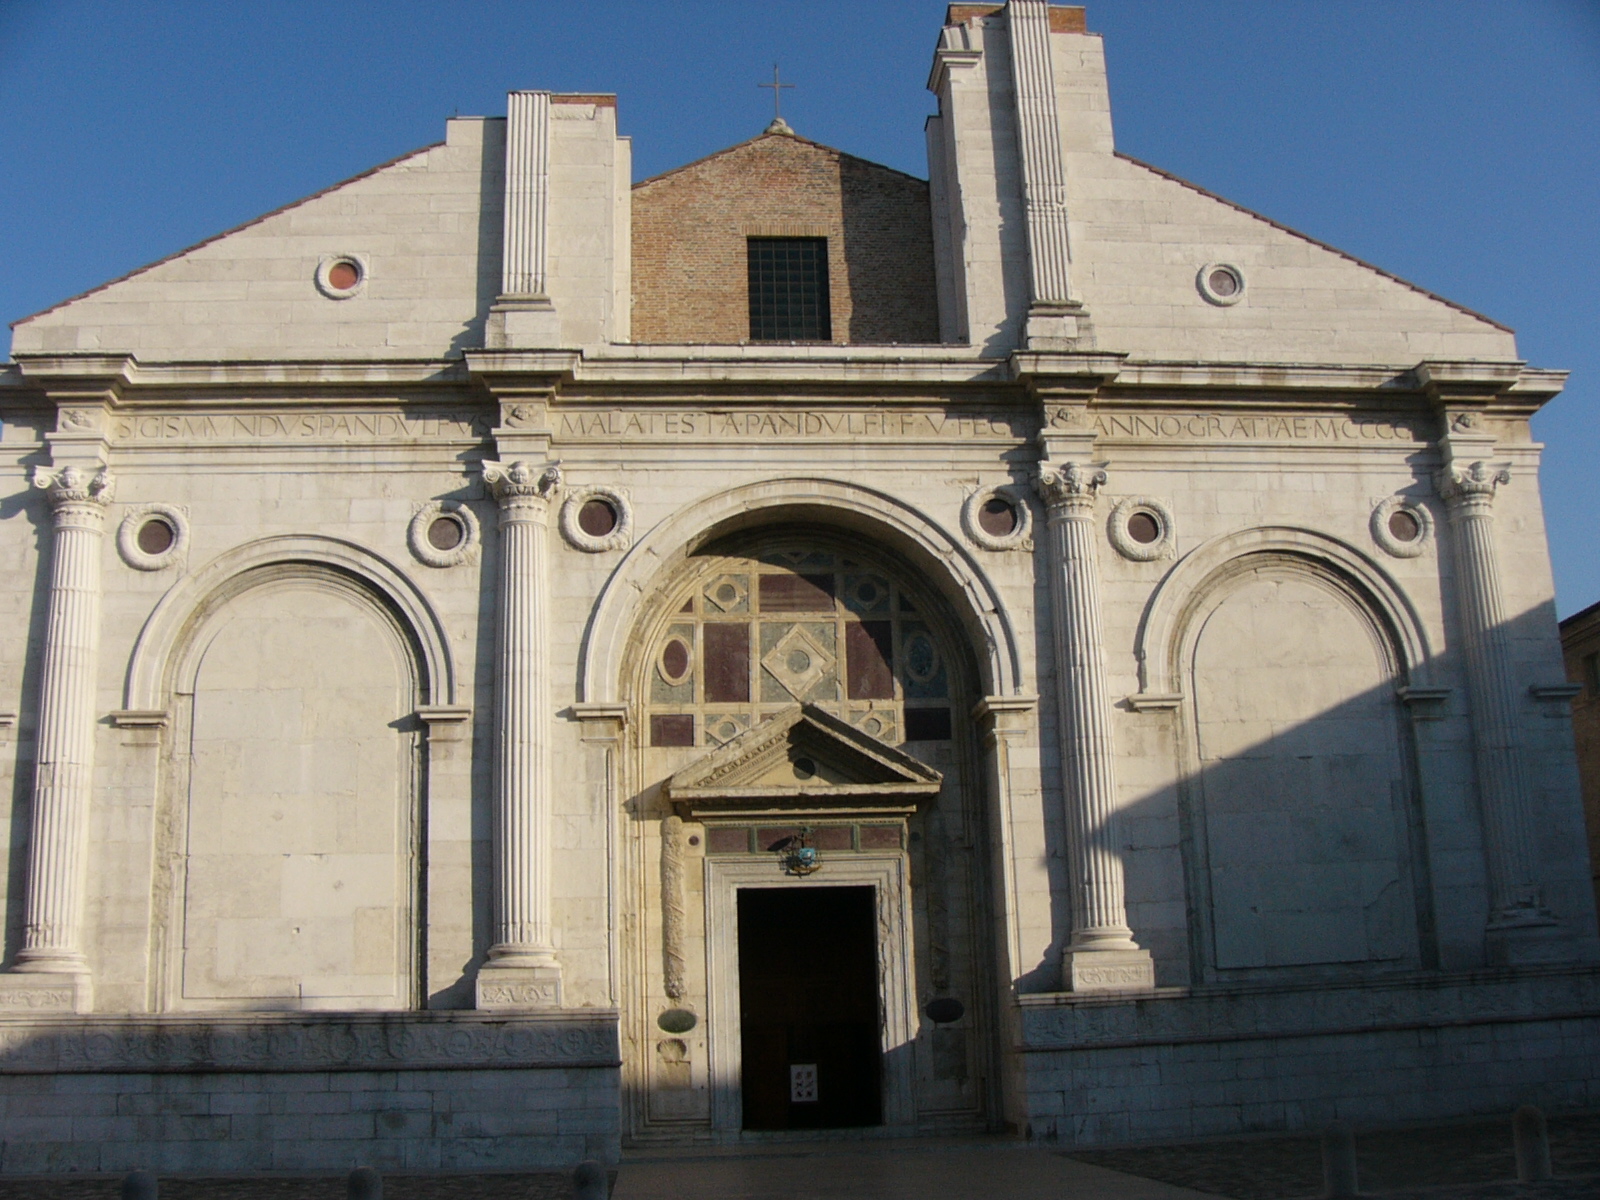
(808, 997)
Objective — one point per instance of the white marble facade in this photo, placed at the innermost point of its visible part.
(1258, 803)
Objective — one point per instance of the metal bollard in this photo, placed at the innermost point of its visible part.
(140, 1185)
(589, 1181)
(1530, 1135)
(1338, 1162)
(364, 1183)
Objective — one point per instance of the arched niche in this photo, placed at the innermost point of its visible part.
(291, 672)
(1304, 844)
(175, 617)
(1168, 620)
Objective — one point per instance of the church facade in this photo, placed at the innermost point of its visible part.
(506, 663)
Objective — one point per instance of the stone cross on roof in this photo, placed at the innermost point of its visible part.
(779, 125)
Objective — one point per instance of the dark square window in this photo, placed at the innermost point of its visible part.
(789, 290)
(927, 725)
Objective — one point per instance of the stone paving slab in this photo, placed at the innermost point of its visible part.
(1470, 1159)
(507, 1186)
(889, 1170)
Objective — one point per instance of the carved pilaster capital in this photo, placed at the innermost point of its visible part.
(517, 482)
(72, 485)
(1471, 486)
(1072, 487)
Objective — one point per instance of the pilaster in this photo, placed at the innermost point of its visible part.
(524, 315)
(1056, 320)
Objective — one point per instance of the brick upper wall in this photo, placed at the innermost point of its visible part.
(690, 225)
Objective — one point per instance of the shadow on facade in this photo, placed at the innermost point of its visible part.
(888, 254)
(491, 175)
(1319, 829)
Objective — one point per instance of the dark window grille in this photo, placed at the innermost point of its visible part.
(789, 290)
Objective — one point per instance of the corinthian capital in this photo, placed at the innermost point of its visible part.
(1477, 483)
(1072, 485)
(74, 485)
(521, 480)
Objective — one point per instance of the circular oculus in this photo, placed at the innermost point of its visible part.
(597, 518)
(1143, 528)
(156, 536)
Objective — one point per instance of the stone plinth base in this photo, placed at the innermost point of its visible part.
(1056, 327)
(1225, 1060)
(1515, 945)
(518, 989)
(278, 1092)
(1108, 971)
(24, 992)
(522, 323)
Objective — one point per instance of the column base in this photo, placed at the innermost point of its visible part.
(522, 322)
(42, 992)
(1108, 971)
(1515, 945)
(518, 988)
(1057, 327)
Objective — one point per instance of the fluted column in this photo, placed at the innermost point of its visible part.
(1516, 907)
(1102, 953)
(522, 970)
(64, 764)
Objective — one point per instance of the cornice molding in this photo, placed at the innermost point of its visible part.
(1495, 385)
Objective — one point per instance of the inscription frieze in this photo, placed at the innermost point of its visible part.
(355, 425)
(1272, 427)
(786, 424)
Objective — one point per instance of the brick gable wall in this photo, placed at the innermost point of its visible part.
(690, 227)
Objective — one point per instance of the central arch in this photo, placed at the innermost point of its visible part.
(865, 568)
(940, 557)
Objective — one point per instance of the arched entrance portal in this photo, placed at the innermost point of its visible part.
(808, 846)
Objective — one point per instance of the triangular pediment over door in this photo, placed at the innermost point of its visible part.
(803, 761)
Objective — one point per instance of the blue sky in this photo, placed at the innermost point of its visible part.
(1454, 142)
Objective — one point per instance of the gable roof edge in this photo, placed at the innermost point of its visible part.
(217, 237)
(1304, 237)
(705, 158)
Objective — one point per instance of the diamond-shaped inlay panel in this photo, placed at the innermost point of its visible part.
(722, 728)
(729, 594)
(798, 662)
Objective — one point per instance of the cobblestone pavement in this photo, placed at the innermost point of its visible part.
(1470, 1160)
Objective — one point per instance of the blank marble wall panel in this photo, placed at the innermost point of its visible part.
(282, 783)
(1299, 759)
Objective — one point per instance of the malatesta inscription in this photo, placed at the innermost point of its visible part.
(779, 424)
